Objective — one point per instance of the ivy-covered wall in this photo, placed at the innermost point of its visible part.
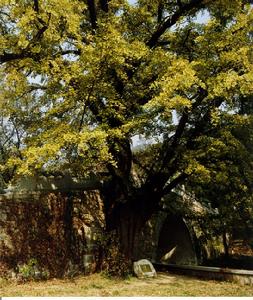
(56, 229)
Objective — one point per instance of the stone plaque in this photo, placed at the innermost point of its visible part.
(144, 268)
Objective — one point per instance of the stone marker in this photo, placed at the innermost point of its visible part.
(144, 268)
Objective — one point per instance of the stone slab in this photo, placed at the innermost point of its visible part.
(144, 269)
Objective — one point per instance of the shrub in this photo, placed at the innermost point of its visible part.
(32, 271)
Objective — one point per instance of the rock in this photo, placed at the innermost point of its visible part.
(144, 269)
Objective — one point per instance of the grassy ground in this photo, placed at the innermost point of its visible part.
(166, 284)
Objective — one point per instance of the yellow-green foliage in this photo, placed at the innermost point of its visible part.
(74, 92)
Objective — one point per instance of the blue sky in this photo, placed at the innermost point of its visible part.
(202, 17)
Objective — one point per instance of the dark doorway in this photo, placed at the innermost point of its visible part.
(175, 245)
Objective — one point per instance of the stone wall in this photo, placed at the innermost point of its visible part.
(58, 229)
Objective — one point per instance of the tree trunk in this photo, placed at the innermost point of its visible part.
(127, 218)
(225, 244)
(129, 228)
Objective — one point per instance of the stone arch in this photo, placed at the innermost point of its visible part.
(175, 245)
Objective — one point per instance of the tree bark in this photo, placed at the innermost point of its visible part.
(93, 13)
(170, 21)
(225, 244)
(126, 215)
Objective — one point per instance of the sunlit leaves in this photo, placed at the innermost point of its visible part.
(82, 91)
(50, 150)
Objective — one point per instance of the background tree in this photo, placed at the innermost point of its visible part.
(11, 132)
(228, 189)
(84, 77)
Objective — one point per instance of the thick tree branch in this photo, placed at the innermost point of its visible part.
(202, 125)
(180, 178)
(35, 87)
(160, 12)
(179, 3)
(142, 166)
(104, 4)
(66, 52)
(174, 141)
(36, 5)
(170, 21)
(168, 166)
(93, 13)
(171, 158)
(6, 57)
(85, 106)
(26, 53)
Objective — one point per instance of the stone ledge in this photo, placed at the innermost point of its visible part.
(226, 274)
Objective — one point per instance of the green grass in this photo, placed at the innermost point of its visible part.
(166, 284)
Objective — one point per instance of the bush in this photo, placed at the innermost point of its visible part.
(31, 271)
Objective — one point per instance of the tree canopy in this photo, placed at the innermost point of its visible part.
(80, 79)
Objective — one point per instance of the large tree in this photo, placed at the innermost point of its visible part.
(81, 79)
